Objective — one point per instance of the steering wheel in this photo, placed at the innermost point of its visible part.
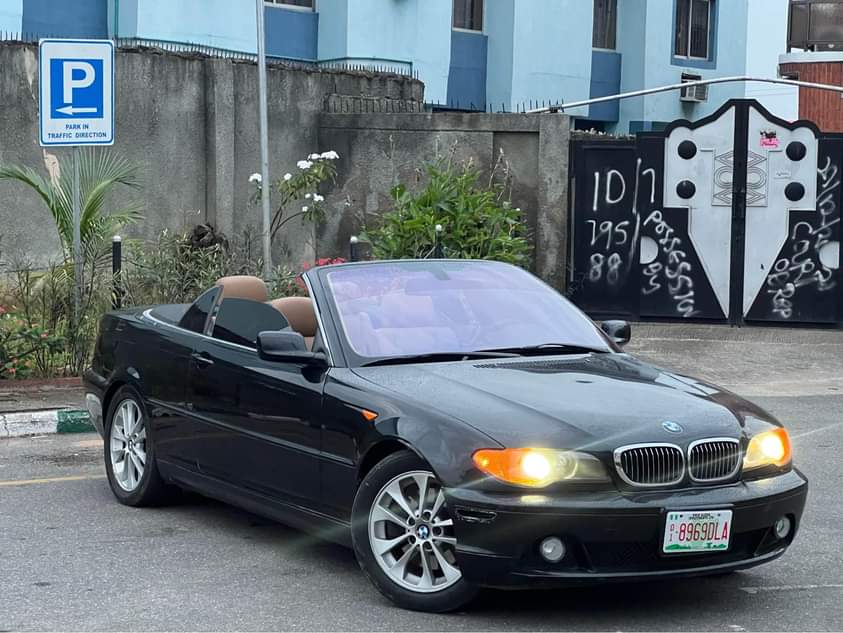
(476, 337)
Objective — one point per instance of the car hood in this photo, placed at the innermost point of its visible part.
(595, 401)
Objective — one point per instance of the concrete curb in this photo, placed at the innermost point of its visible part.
(45, 422)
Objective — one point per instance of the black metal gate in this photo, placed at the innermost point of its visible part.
(732, 218)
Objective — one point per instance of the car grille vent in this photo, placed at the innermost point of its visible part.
(650, 464)
(714, 460)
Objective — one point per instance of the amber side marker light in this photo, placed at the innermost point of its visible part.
(369, 415)
(770, 448)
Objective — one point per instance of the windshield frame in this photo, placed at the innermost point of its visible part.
(336, 332)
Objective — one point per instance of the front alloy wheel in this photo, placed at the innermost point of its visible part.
(404, 539)
(412, 535)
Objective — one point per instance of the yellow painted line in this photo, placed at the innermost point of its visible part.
(48, 480)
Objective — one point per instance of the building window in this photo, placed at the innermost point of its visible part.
(816, 25)
(605, 24)
(303, 4)
(693, 28)
(468, 15)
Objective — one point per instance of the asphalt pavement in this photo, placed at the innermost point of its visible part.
(72, 558)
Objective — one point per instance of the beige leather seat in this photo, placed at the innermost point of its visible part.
(300, 314)
(243, 287)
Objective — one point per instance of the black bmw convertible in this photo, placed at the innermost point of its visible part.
(458, 423)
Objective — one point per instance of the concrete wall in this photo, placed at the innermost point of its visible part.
(191, 124)
(382, 150)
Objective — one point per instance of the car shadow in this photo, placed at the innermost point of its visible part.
(602, 603)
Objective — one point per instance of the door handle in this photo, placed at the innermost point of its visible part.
(202, 359)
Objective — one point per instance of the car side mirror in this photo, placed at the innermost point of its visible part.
(618, 331)
(288, 347)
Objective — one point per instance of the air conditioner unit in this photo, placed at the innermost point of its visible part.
(693, 94)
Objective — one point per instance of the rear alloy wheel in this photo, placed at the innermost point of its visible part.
(130, 453)
(404, 536)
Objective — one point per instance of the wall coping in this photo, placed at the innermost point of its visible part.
(811, 57)
(437, 121)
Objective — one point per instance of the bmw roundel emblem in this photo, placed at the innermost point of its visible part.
(672, 427)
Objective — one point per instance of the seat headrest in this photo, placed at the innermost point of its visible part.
(243, 287)
(299, 312)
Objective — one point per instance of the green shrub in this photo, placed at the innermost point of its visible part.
(478, 220)
(22, 344)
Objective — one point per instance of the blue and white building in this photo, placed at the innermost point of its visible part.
(475, 53)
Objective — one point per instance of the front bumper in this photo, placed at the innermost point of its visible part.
(94, 386)
(613, 535)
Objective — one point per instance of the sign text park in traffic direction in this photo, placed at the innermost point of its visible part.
(76, 79)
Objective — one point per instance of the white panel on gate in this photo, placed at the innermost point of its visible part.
(769, 172)
(710, 207)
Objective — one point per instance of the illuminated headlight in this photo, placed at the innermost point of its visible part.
(770, 448)
(539, 467)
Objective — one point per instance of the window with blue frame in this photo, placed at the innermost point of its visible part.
(694, 29)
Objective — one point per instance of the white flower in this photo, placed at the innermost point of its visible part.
(304, 209)
(331, 155)
(304, 164)
(318, 198)
(314, 157)
(256, 178)
(288, 176)
(307, 195)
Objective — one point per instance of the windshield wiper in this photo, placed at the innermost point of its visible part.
(550, 349)
(440, 357)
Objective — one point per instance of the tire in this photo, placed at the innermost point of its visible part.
(149, 488)
(422, 584)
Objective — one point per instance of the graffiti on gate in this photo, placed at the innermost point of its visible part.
(671, 269)
(614, 240)
(800, 264)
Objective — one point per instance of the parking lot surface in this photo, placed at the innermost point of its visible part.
(72, 558)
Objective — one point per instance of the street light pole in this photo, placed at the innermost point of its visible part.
(266, 186)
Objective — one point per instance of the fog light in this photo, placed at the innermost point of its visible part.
(552, 549)
(782, 527)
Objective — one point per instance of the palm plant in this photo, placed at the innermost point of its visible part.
(99, 172)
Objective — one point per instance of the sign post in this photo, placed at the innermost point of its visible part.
(266, 186)
(76, 85)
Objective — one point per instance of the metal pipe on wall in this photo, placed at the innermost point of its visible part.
(681, 86)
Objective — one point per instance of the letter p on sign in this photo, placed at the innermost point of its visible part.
(76, 90)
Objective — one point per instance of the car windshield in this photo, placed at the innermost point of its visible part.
(395, 309)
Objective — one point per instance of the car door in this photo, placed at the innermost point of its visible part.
(260, 419)
(166, 354)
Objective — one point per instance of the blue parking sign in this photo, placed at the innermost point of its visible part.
(76, 88)
(77, 92)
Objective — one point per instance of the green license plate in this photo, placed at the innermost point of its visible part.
(697, 531)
